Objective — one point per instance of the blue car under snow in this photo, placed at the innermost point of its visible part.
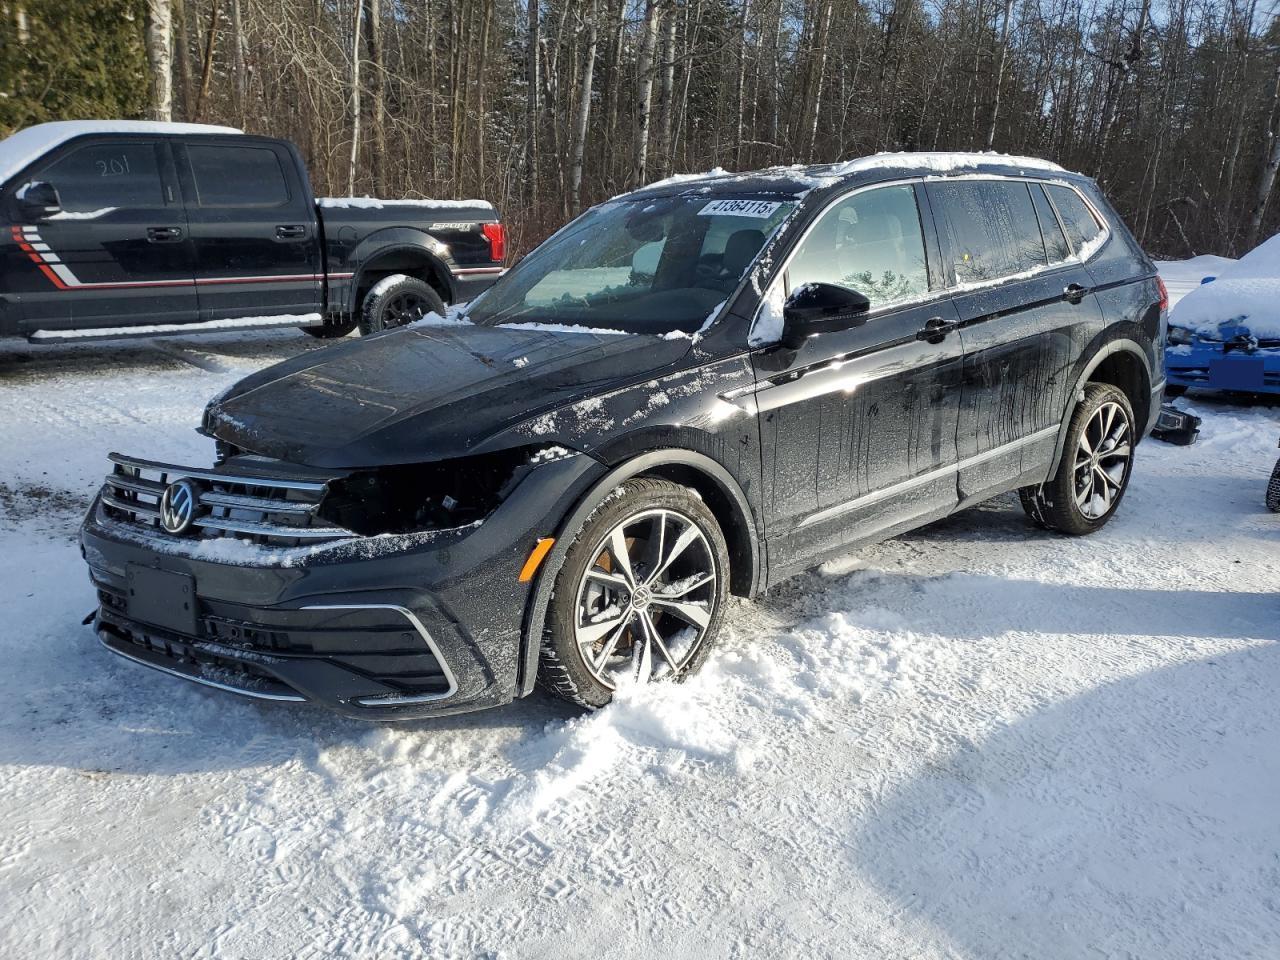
(1225, 334)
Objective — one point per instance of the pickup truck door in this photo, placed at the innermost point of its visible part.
(253, 227)
(117, 253)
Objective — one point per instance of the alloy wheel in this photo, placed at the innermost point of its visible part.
(1102, 461)
(404, 308)
(644, 604)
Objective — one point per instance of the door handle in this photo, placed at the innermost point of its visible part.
(164, 234)
(291, 231)
(935, 329)
(1074, 293)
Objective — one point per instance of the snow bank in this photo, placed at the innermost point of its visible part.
(1246, 293)
(29, 145)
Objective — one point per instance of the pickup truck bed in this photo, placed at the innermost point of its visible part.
(135, 228)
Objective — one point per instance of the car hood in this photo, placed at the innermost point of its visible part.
(425, 392)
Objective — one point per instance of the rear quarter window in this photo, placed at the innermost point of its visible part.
(1081, 225)
(990, 228)
(1055, 241)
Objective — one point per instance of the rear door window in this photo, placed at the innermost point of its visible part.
(989, 228)
(1082, 226)
(1055, 241)
(227, 176)
(107, 175)
(870, 242)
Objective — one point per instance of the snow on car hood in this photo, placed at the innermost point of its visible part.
(1245, 294)
(425, 392)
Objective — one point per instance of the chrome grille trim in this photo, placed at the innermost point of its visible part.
(217, 476)
(263, 509)
(264, 529)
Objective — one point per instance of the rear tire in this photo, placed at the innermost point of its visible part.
(1273, 490)
(640, 596)
(395, 301)
(1097, 460)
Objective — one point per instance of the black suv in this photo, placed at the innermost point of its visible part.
(696, 389)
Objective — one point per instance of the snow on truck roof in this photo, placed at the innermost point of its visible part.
(802, 176)
(31, 143)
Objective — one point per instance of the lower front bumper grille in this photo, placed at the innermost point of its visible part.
(357, 658)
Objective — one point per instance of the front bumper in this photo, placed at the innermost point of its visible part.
(378, 628)
(1209, 366)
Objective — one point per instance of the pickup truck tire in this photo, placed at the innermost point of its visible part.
(331, 329)
(395, 301)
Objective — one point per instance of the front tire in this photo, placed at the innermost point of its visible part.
(1273, 490)
(1093, 474)
(640, 596)
(395, 301)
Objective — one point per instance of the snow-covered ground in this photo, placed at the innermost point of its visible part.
(974, 741)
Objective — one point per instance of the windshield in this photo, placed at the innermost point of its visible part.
(639, 266)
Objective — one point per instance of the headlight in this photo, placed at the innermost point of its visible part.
(430, 496)
(1179, 336)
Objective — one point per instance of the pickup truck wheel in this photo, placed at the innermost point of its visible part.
(331, 329)
(395, 301)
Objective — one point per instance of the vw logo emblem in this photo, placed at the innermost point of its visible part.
(178, 506)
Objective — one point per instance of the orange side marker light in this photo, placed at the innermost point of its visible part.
(536, 556)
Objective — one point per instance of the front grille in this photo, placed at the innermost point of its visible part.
(258, 508)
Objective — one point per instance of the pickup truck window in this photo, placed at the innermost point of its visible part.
(104, 174)
(237, 176)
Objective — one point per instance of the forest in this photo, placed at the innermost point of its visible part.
(547, 106)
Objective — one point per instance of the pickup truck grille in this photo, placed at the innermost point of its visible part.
(262, 509)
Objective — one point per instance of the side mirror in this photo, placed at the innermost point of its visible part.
(38, 199)
(821, 308)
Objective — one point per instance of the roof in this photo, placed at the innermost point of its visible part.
(31, 143)
(799, 179)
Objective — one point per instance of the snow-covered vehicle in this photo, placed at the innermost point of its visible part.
(1225, 333)
(133, 228)
(696, 389)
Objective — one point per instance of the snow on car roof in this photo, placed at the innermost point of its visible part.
(801, 176)
(31, 143)
(1245, 293)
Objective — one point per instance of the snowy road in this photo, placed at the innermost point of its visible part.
(975, 741)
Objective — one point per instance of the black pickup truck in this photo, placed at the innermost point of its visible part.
(130, 228)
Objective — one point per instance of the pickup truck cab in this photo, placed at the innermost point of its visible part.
(127, 228)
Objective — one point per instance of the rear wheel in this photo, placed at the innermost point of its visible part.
(1094, 472)
(640, 596)
(395, 301)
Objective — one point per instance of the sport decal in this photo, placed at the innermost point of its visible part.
(61, 276)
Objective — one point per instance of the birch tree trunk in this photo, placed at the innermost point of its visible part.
(584, 112)
(644, 93)
(668, 88)
(239, 73)
(377, 90)
(206, 70)
(355, 99)
(1270, 164)
(160, 57)
(1004, 56)
(531, 64)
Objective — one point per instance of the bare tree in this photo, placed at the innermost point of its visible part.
(160, 57)
(584, 111)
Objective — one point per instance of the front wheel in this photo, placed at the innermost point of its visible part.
(640, 596)
(1273, 490)
(1093, 474)
(395, 301)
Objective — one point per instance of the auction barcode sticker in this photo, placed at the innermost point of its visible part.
(761, 209)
